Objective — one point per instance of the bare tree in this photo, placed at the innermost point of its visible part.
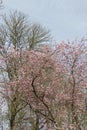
(17, 34)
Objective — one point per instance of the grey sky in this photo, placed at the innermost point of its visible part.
(67, 19)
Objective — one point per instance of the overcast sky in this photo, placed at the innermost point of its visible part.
(67, 19)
